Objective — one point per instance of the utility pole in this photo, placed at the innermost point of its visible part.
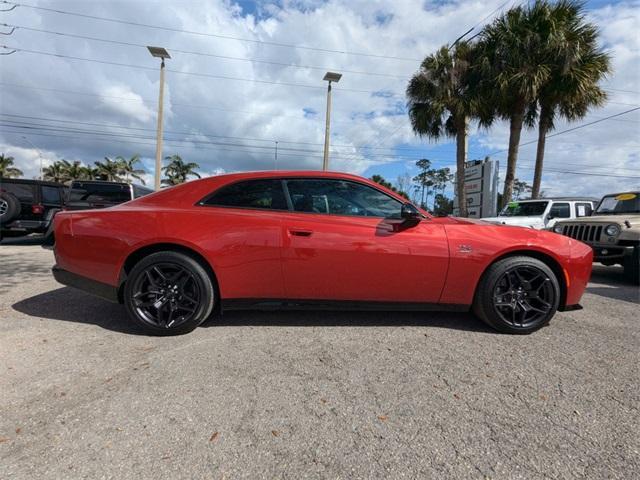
(276, 157)
(39, 154)
(329, 77)
(162, 54)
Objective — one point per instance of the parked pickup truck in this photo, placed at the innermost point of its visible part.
(543, 212)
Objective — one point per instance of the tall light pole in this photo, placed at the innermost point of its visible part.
(39, 154)
(162, 54)
(276, 157)
(329, 77)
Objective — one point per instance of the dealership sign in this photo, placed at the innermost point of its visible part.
(481, 188)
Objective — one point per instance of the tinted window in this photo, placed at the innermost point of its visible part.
(583, 209)
(560, 210)
(23, 192)
(621, 203)
(99, 193)
(339, 197)
(50, 195)
(525, 209)
(139, 191)
(251, 194)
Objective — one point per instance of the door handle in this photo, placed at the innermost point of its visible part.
(300, 233)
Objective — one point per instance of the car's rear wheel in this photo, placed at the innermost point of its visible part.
(9, 207)
(169, 293)
(517, 295)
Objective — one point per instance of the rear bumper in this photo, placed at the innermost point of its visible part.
(27, 225)
(99, 289)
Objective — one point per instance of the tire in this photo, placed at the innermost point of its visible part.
(163, 281)
(632, 266)
(9, 207)
(517, 295)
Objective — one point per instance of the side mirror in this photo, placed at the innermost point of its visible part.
(410, 215)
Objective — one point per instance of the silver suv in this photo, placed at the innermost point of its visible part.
(613, 231)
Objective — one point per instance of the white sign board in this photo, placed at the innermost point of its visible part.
(481, 188)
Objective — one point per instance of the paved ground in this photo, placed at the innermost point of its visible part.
(312, 395)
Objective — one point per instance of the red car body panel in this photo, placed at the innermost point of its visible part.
(269, 254)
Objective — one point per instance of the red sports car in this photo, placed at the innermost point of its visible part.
(310, 239)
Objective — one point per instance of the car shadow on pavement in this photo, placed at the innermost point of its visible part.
(610, 282)
(71, 305)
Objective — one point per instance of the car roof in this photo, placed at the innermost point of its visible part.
(565, 199)
(98, 182)
(26, 181)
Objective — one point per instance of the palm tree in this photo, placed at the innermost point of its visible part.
(55, 172)
(422, 178)
(442, 100)
(7, 170)
(128, 168)
(109, 170)
(514, 68)
(578, 65)
(177, 170)
(74, 171)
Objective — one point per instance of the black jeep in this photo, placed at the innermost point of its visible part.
(28, 206)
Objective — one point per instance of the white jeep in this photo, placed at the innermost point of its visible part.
(543, 212)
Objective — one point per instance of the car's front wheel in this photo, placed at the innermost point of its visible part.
(169, 293)
(517, 295)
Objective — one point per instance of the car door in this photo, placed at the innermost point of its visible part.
(344, 240)
(241, 233)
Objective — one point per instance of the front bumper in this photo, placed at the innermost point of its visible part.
(607, 254)
(99, 289)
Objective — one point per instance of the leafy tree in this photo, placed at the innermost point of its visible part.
(7, 170)
(514, 67)
(55, 172)
(520, 188)
(380, 180)
(109, 170)
(74, 171)
(177, 171)
(442, 205)
(577, 66)
(128, 168)
(423, 179)
(442, 99)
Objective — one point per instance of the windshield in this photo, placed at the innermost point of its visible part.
(620, 203)
(525, 209)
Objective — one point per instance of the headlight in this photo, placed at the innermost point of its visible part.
(612, 230)
(557, 229)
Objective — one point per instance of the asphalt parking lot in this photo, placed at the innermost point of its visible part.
(312, 395)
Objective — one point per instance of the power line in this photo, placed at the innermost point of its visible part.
(196, 74)
(207, 34)
(571, 129)
(206, 54)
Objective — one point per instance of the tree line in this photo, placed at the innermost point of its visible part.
(532, 65)
(118, 169)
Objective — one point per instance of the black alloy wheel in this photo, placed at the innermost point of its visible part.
(523, 295)
(517, 295)
(169, 293)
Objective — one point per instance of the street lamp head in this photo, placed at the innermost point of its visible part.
(159, 52)
(332, 77)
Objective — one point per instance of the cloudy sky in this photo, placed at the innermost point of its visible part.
(245, 75)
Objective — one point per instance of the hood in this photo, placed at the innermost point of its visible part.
(516, 221)
(632, 218)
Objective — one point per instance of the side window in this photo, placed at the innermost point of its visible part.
(583, 209)
(340, 197)
(560, 210)
(23, 191)
(140, 191)
(50, 195)
(262, 194)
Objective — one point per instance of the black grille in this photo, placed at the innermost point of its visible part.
(584, 233)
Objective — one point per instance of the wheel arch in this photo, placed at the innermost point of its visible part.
(546, 258)
(138, 254)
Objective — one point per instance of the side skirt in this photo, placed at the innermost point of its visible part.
(337, 305)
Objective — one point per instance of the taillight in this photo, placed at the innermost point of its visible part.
(37, 209)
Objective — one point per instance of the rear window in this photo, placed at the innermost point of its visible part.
(99, 193)
(261, 194)
(23, 191)
(51, 195)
